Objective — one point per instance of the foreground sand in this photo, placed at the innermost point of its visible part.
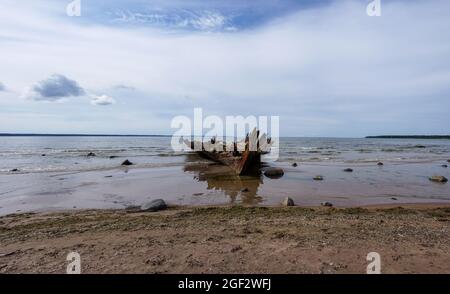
(229, 240)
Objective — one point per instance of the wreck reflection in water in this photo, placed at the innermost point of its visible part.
(221, 178)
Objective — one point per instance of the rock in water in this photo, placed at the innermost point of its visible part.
(439, 179)
(14, 170)
(318, 178)
(327, 204)
(127, 162)
(288, 202)
(91, 154)
(444, 165)
(274, 172)
(113, 156)
(448, 160)
(155, 205)
(380, 163)
(349, 170)
(294, 164)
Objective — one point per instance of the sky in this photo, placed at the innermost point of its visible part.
(325, 68)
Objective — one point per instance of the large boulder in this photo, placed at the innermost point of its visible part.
(154, 205)
(288, 202)
(274, 172)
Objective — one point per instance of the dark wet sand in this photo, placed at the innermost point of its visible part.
(211, 184)
(229, 239)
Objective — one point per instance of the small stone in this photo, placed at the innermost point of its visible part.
(349, 170)
(444, 165)
(318, 178)
(380, 163)
(91, 154)
(420, 146)
(113, 156)
(108, 176)
(327, 204)
(439, 179)
(127, 162)
(393, 198)
(274, 172)
(235, 248)
(14, 170)
(294, 164)
(244, 190)
(43, 154)
(288, 202)
(155, 205)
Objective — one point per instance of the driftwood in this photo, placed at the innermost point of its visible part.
(239, 156)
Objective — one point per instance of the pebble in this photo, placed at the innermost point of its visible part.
(127, 162)
(439, 179)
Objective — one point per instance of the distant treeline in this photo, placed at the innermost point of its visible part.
(410, 137)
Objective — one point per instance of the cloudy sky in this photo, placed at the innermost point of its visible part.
(128, 67)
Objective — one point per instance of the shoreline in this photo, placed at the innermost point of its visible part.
(230, 239)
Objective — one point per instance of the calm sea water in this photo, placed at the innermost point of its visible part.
(46, 154)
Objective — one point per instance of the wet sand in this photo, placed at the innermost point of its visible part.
(206, 183)
(229, 239)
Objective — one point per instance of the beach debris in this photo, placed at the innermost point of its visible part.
(127, 162)
(113, 156)
(439, 179)
(154, 205)
(380, 163)
(349, 170)
(14, 170)
(444, 165)
(244, 190)
(294, 164)
(327, 204)
(288, 201)
(274, 172)
(91, 154)
(7, 253)
(235, 248)
(318, 178)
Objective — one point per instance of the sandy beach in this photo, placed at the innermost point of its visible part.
(229, 239)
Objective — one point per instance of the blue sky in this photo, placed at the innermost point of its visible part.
(325, 67)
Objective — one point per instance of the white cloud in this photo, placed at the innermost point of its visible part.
(102, 100)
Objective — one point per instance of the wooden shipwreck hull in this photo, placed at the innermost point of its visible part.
(239, 156)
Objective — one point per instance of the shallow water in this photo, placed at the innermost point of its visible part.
(66, 178)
